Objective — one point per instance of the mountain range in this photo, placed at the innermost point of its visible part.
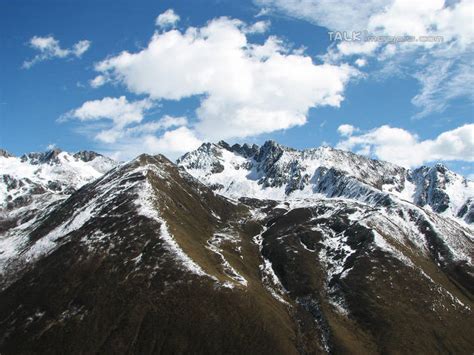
(234, 249)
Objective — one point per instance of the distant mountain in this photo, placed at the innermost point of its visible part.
(243, 249)
(32, 182)
(276, 172)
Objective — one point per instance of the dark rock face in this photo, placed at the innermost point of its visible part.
(209, 150)
(86, 155)
(467, 211)
(431, 184)
(49, 157)
(10, 182)
(5, 154)
(245, 150)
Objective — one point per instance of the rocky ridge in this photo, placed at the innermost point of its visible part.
(277, 172)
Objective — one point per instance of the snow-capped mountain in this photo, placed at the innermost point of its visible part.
(276, 172)
(34, 181)
(310, 252)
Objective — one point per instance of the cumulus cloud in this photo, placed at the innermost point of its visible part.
(258, 27)
(49, 48)
(401, 147)
(346, 130)
(118, 126)
(171, 143)
(360, 62)
(119, 112)
(452, 20)
(246, 88)
(164, 123)
(179, 140)
(98, 81)
(167, 19)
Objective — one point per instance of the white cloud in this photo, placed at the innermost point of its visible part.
(170, 121)
(118, 111)
(165, 122)
(180, 140)
(346, 130)
(98, 81)
(263, 12)
(80, 48)
(117, 126)
(172, 144)
(453, 20)
(49, 48)
(342, 15)
(247, 88)
(441, 82)
(361, 62)
(258, 27)
(401, 147)
(167, 19)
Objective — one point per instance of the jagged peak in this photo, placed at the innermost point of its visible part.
(41, 157)
(259, 152)
(87, 155)
(271, 143)
(434, 169)
(6, 154)
(224, 144)
(208, 145)
(272, 148)
(441, 167)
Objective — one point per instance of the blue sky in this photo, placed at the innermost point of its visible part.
(408, 103)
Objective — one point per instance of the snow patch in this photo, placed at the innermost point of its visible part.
(214, 244)
(146, 207)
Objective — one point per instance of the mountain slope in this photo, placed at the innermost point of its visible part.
(137, 267)
(150, 260)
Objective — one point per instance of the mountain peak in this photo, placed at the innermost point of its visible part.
(5, 154)
(145, 158)
(224, 145)
(274, 145)
(441, 168)
(86, 155)
(271, 142)
(48, 156)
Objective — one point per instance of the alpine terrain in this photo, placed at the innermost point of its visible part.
(239, 249)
